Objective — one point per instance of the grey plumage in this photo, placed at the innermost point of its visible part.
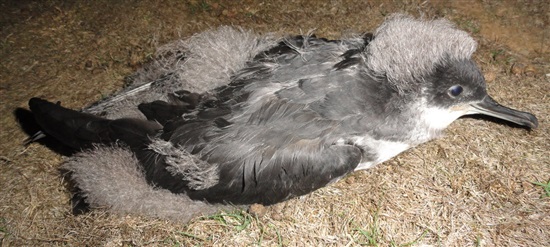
(268, 119)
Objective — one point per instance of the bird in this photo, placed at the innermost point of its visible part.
(290, 115)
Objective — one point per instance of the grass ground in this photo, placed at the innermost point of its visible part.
(482, 184)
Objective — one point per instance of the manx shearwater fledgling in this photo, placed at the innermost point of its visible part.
(280, 118)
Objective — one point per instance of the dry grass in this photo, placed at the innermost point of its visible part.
(477, 186)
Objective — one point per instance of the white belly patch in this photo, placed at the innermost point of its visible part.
(384, 150)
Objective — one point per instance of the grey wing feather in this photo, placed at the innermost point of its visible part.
(275, 175)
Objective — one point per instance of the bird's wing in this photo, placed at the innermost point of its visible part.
(279, 151)
(266, 175)
(265, 132)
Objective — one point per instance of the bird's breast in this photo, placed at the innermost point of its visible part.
(375, 151)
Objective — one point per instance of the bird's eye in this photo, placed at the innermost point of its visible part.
(455, 90)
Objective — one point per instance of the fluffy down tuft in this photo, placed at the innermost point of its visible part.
(110, 178)
(200, 63)
(198, 174)
(406, 50)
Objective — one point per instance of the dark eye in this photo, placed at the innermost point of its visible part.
(455, 90)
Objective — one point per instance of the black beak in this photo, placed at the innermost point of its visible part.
(489, 106)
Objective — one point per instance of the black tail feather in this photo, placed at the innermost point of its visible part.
(81, 130)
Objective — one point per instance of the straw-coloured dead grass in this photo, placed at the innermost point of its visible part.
(479, 185)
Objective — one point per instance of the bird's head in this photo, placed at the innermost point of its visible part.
(457, 88)
(432, 61)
